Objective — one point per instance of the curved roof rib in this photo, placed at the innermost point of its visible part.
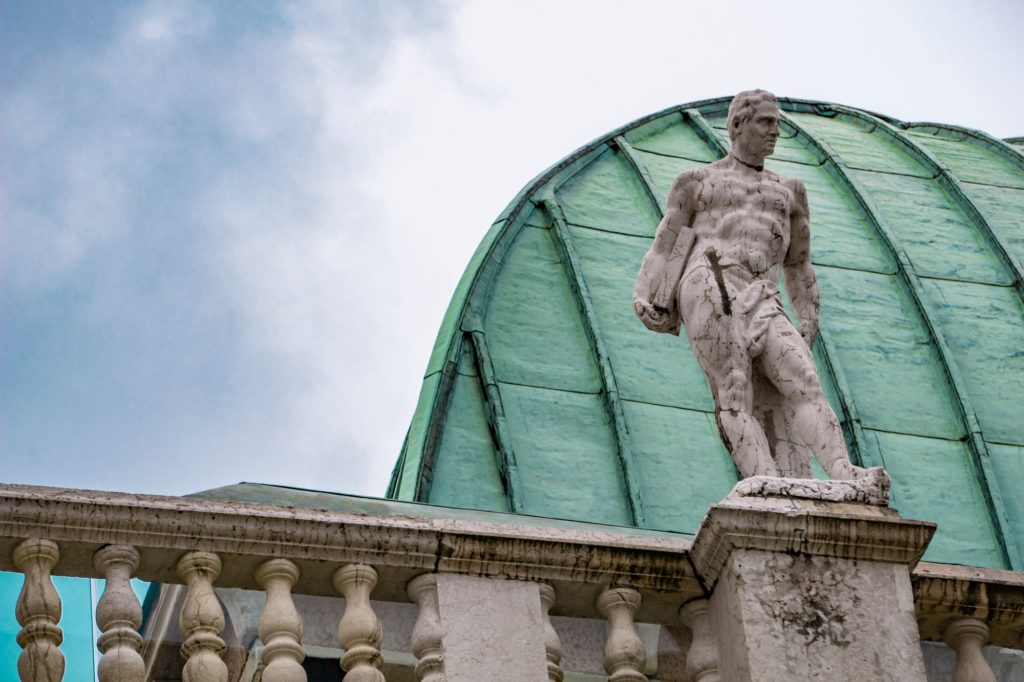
(976, 442)
(952, 186)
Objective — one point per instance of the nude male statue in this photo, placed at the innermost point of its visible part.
(728, 230)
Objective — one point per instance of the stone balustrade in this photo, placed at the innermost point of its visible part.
(969, 608)
(485, 589)
(527, 572)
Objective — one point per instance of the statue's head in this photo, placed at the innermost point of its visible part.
(761, 108)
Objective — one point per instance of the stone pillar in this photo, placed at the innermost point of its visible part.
(492, 629)
(810, 580)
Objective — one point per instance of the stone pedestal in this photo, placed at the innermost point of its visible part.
(811, 581)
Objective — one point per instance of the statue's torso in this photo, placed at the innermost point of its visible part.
(743, 217)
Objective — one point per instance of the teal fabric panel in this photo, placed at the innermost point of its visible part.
(934, 480)
(649, 367)
(934, 232)
(466, 468)
(533, 322)
(76, 621)
(860, 144)
(683, 466)
(607, 194)
(670, 135)
(884, 347)
(984, 328)
(968, 159)
(565, 449)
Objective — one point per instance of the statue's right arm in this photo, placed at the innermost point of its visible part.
(654, 294)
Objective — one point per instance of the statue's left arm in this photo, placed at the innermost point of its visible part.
(800, 281)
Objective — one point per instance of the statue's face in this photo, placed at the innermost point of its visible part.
(758, 134)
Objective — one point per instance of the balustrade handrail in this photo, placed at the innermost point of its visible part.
(582, 570)
(244, 534)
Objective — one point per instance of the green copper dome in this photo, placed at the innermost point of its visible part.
(546, 396)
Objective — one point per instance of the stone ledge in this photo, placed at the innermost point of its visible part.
(943, 592)
(812, 527)
(244, 534)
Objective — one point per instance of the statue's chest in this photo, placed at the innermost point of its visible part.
(731, 192)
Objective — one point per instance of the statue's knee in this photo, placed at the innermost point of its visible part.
(808, 382)
(734, 392)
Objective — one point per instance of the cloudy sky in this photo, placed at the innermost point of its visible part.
(229, 230)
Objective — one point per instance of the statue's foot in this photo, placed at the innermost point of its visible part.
(844, 471)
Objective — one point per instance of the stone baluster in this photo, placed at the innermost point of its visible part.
(38, 612)
(702, 658)
(966, 636)
(624, 654)
(202, 619)
(359, 630)
(280, 623)
(118, 616)
(552, 645)
(427, 643)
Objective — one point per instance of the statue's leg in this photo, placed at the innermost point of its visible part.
(788, 363)
(727, 365)
(744, 436)
(791, 458)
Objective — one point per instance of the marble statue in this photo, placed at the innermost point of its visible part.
(730, 229)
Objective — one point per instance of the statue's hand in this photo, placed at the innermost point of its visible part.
(809, 332)
(655, 318)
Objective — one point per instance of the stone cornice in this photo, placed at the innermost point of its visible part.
(943, 592)
(848, 531)
(245, 534)
(578, 562)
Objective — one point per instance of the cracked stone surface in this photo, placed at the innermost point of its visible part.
(816, 618)
(730, 230)
(492, 629)
(873, 489)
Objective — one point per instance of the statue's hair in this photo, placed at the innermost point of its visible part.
(743, 106)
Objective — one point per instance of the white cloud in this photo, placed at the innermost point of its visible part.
(334, 168)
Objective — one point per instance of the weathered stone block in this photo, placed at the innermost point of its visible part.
(492, 629)
(807, 589)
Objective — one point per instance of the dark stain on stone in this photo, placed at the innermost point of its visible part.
(716, 268)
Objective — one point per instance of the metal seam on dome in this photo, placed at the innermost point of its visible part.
(639, 168)
(952, 185)
(979, 448)
(495, 252)
(435, 427)
(506, 458)
(849, 406)
(612, 400)
(999, 147)
(975, 442)
(704, 130)
(398, 469)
